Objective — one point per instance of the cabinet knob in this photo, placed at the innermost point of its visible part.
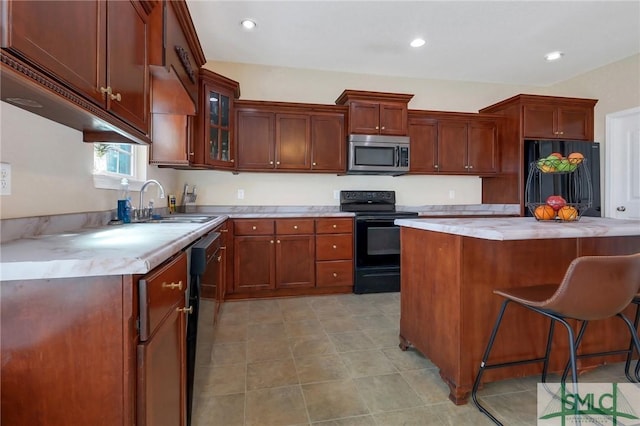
(383, 127)
(377, 128)
(295, 226)
(277, 162)
(254, 227)
(335, 275)
(435, 166)
(233, 161)
(185, 310)
(171, 286)
(335, 226)
(562, 133)
(314, 164)
(278, 241)
(192, 154)
(471, 167)
(271, 162)
(116, 97)
(271, 241)
(466, 167)
(335, 246)
(106, 90)
(621, 208)
(219, 259)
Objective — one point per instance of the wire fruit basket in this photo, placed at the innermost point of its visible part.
(558, 189)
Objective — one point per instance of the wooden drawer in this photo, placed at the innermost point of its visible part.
(336, 273)
(334, 225)
(253, 227)
(294, 226)
(159, 290)
(334, 247)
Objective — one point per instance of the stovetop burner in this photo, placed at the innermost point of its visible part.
(371, 203)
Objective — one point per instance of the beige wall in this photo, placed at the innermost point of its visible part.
(51, 166)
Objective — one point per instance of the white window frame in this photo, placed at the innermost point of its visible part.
(103, 179)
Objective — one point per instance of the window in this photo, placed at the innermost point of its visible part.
(113, 161)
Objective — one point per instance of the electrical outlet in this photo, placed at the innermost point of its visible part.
(5, 179)
(240, 194)
(336, 194)
(452, 194)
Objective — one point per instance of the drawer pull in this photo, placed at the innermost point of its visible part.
(254, 227)
(185, 310)
(335, 246)
(271, 241)
(335, 275)
(295, 226)
(335, 226)
(172, 285)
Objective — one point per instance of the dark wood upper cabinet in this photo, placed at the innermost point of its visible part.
(328, 150)
(453, 143)
(277, 136)
(532, 117)
(102, 56)
(556, 122)
(376, 112)
(214, 143)
(92, 76)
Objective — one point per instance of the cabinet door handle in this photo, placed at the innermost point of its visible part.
(106, 90)
(219, 258)
(185, 310)
(172, 285)
(116, 97)
(621, 208)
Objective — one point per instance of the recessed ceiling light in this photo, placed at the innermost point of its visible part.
(553, 56)
(248, 24)
(418, 42)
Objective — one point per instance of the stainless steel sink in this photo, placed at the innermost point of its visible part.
(182, 218)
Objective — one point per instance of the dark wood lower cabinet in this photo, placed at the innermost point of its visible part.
(94, 350)
(68, 351)
(281, 257)
(160, 390)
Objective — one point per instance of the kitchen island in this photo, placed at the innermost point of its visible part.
(450, 268)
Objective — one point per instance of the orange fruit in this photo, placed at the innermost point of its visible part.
(544, 212)
(575, 158)
(568, 213)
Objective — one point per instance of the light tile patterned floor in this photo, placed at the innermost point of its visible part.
(334, 360)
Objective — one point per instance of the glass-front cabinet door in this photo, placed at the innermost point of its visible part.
(219, 93)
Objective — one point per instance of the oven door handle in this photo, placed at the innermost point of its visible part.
(376, 220)
(397, 156)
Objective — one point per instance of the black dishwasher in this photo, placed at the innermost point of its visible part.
(203, 260)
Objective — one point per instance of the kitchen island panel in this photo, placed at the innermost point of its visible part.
(448, 307)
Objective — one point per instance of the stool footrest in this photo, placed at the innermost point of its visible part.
(512, 363)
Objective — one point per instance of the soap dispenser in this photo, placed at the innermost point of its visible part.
(124, 202)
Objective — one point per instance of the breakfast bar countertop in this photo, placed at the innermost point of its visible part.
(526, 228)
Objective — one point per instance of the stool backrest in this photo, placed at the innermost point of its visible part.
(597, 287)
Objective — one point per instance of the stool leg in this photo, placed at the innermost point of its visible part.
(635, 339)
(627, 364)
(545, 366)
(572, 355)
(485, 357)
(583, 327)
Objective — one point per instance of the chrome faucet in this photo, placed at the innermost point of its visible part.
(141, 210)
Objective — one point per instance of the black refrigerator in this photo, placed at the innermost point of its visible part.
(537, 149)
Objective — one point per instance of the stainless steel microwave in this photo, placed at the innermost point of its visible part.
(378, 155)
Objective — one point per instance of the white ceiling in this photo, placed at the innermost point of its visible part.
(479, 41)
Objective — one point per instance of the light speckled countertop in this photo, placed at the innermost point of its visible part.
(82, 244)
(526, 228)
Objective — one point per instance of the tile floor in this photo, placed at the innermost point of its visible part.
(334, 360)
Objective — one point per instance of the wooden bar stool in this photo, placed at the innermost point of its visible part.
(593, 288)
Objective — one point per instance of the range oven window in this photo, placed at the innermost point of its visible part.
(374, 156)
(377, 242)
